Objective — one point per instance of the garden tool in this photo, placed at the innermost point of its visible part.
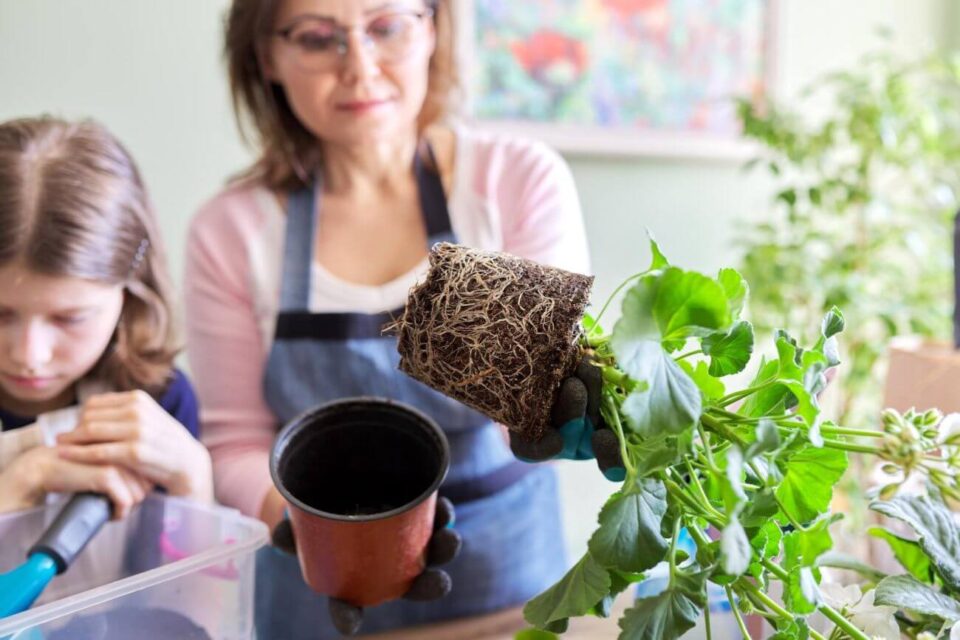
(51, 555)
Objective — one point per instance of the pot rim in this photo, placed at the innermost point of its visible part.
(292, 428)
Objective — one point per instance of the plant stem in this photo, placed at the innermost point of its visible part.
(706, 620)
(853, 433)
(703, 494)
(708, 450)
(852, 447)
(736, 612)
(744, 393)
(825, 609)
(596, 321)
(673, 548)
(688, 354)
(613, 416)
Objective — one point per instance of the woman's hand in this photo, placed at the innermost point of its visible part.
(132, 431)
(40, 471)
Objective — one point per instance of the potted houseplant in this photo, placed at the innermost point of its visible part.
(749, 472)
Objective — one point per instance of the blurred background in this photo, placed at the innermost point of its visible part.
(152, 72)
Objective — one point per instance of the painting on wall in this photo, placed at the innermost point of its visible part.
(621, 76)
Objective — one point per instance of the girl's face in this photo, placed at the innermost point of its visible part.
(354, 71)
(53, 330)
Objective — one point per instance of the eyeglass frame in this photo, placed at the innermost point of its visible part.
(343, 31)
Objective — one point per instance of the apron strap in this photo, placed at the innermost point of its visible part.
(302, 212)
(298, 250)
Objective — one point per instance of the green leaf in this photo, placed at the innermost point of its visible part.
(729, 351)
(535, 634)
(802, 548)
(833, 323)
(654, 454)
(905, 592)
(735, 549)
(907, 552)
(669, 614)
(796, 629)
(735, 288)
(629, 535)
(766, 542)
(807, 408)
(760, 509)
(936, 530)
(671, 403)
(619, 582)
(801, 594)
(658, 260)
(766, 439)
(710, 387)
(573, 595)
(689, 304)
(809, 477)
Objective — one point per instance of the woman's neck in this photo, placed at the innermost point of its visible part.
(362, 170)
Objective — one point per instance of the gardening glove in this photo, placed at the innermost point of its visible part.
(432, 584)
(579, 432)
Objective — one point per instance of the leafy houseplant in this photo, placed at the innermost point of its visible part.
(748, 472)
(756, 465)
(863, 204)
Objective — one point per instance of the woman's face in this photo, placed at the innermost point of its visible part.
(354, 71)
(53, 330)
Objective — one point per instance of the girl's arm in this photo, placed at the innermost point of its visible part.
(131, 430)
(39, 471)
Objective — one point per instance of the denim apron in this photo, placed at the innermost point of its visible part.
(507, 512)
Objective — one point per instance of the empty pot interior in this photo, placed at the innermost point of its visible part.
(356, 460)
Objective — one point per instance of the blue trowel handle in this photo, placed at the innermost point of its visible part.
(75, 525)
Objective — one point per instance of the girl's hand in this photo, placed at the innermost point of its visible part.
(40, 471)
(131, 430)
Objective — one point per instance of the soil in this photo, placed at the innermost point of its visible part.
(496, 332)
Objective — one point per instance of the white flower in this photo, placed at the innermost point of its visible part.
(948, 427)
(875, 620)
(838, 596)
(955, 632)
(926, 635)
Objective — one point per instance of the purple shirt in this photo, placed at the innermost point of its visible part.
(178, 400)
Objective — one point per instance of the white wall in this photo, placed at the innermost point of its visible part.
(152, 72)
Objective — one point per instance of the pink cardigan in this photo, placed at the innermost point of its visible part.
(506, 195)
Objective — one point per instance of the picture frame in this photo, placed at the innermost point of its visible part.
(617, 77)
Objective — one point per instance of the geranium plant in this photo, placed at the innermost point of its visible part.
(748, 472)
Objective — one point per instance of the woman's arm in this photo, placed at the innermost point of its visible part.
(227, 358)
(539, 207)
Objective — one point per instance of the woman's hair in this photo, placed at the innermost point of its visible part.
(72, 204)
(289, 154)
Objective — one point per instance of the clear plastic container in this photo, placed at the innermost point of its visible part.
(172, 569)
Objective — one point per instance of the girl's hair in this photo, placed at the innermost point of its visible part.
(289, 154)
(72, 204)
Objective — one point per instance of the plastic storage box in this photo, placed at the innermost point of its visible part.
(172, 569)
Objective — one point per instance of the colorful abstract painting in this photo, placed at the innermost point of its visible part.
(667, 66)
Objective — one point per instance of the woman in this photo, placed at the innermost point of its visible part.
(294, 267)
(86, 334)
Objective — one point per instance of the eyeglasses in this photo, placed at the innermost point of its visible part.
(319, 44)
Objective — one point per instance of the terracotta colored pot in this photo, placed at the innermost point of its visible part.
(361, 476)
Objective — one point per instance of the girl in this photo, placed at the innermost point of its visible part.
(85, 322)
